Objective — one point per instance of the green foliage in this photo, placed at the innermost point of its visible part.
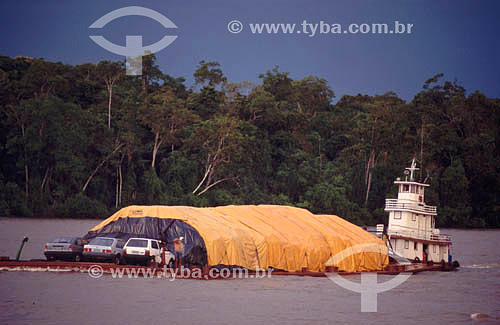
(81, 206)
(12, 201)
(67, 152)
(209, 74)
(154, 189)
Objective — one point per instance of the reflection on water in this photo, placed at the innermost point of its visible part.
(469, 295)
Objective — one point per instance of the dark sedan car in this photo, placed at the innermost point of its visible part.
(64, 248)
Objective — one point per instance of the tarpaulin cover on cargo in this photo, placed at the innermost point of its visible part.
(262, 236)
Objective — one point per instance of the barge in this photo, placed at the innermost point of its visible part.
(200, 273)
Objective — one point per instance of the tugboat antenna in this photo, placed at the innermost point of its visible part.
(412, 169)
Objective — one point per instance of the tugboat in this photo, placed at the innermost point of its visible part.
(411, 231)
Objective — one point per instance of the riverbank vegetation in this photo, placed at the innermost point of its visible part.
(86, 140)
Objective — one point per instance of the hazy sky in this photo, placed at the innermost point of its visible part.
(458, 38)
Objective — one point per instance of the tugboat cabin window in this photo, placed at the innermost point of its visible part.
(413, 188)
(397, 214)
(406, 188)
(407, 244)
(415, 245)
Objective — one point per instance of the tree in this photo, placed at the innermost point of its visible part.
(219, 139)
(312, 95)
(454, 198)
(277, 83)
(166, 115)
(206, 103)
(110, 73)
(378, 131)
(151, 77)
(209, 74)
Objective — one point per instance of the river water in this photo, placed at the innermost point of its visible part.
(470, 295)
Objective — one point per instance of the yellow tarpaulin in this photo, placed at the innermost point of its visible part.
(265, 236)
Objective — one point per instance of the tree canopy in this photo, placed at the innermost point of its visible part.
(86, 140)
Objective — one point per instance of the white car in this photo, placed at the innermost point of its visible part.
(145, 251)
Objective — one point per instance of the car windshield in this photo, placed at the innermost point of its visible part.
(101, 242)
(137, 243)
(63, 240)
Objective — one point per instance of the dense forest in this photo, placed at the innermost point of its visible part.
(86, 140)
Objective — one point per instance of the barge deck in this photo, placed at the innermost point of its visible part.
(200, 273)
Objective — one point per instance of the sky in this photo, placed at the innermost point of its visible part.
(457, 38)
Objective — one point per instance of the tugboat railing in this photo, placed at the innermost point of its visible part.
(418, 234)
(395, 204)
(441, 237)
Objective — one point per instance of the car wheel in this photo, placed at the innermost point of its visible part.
(118, 259)
(78, 258)
(150, 262)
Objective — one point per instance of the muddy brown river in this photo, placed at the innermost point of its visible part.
(470, 295)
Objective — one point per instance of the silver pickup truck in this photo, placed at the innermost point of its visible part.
(64, 248)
